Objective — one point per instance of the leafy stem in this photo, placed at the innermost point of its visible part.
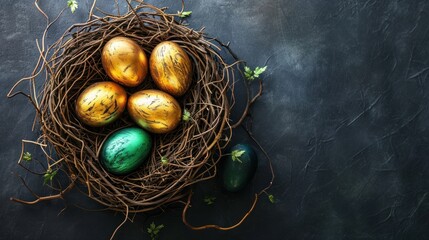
(72, 4)
(209, 200)
(272, 198)
(27, 157)
(164, 160)
(184, 14)
(153, 230)
(49, 176)
(251, 75)
(236, 155)
(186, 115)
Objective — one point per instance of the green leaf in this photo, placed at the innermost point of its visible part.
(251, 75)
(184, 14)
(236, 154)
(49, 176)
(248, 73)
(259, 71)
(186, 115)
(72, 4)
(153, 230)
(209, 200)
(271, 198)
(164, 160)
(159, 227)
(27, 157)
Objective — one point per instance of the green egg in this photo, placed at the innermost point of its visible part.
(239, 170)
(125, 150)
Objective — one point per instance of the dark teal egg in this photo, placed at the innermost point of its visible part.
(236, 174)
(125, 150)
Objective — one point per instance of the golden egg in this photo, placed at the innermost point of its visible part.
(124, 61)
(171, 68)
(154, 110)
(101, 103)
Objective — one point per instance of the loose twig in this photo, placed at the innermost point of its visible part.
(44, 198)
(213, 225)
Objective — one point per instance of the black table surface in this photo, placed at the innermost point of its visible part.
(344, 117)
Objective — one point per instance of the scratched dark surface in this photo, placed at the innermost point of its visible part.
(344, 117)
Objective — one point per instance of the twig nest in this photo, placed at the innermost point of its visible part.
(179, 158)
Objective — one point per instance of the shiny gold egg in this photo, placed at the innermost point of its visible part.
(154, 110)
(101, 103)
(171, 68)
(124, 61)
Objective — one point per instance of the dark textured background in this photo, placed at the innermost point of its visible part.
(344, 117)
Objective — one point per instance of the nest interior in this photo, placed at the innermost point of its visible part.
(193, 149)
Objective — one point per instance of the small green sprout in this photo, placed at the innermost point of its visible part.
(184, 14)
(49, 176)
(251, 75)
(27, 157)
(186, 115)
(72, 4)
(209, 200)
(153, 230)
(272, 198)
(236, 155)
(164, 160)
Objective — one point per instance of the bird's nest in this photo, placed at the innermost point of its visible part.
(73, 63)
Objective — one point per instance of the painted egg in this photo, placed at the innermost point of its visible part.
(101, 103)
(154, 110)
(239, 167)
(125, 150)
(171, 68)
(124, 61)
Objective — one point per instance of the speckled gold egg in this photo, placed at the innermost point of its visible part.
(124, 61)
(171, 68)
(101, 103)
(154, 110)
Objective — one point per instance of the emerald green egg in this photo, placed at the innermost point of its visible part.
(239, 167)
(125, 150)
